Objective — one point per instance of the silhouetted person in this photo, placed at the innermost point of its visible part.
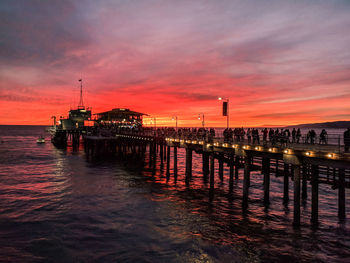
(294, 135)
(298, 135)
(323, 137)
(249, 135)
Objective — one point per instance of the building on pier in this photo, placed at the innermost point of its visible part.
(120, 117)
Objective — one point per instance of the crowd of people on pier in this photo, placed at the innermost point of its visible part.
(278, 136)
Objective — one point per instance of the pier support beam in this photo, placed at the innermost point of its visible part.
(296, 219)
(154, 155)
(304, 183)
(266, 171)
(314, 206)
(221, 166)
(167, 160)
(231, 163)
(188, 163)
(175, 161)
(161, 154)
(236, 166)
(150, 154)
(205, 163)
(246, 181)
(212, 171)
(341, 194)
(285, 185)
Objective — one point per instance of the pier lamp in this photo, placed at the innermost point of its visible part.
(175, 118)
(225, 109)
(201, 117)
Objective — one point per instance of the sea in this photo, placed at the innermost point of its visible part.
(56, 206)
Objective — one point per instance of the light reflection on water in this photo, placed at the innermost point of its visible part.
(53, 202)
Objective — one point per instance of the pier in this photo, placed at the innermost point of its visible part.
(306, 165)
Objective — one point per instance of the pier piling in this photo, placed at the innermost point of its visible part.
(296, 219)
(314, 183)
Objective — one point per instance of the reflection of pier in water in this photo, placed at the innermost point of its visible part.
(299, 162)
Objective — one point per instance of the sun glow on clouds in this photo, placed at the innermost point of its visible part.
(279, 62)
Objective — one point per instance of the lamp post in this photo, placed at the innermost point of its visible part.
(227, 100)
(175, 118)
(201, 116)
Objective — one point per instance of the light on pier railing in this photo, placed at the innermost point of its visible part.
(330, 155)
(308, 153)
(270, 150)
(208, 145)
(286, 151)
(257, 148)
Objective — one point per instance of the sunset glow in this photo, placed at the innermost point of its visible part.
(278, 62)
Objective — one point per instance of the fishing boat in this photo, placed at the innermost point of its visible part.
(41, 139)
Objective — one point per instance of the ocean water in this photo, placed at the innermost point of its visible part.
(55, 206)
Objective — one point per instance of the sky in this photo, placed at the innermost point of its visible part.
(278, 62)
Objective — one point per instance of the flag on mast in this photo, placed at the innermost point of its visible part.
(224, 108)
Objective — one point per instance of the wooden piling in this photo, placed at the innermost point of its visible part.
(296, 219)
(341, 194)
(212, 171)
(314, 183)
(304, 183)
(205, 164)
(246, 180)
(286, 186)
(221, 166)
(167, 161)
(154, 155)
(161, 155)
(188, 163)
(231, 164)
(175, 161)
(237, 164)
(266, 171)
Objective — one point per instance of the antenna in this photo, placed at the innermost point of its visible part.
(81, 102)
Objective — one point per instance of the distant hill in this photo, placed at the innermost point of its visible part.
(334, 124)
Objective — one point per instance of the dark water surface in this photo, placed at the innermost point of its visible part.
(57, 207)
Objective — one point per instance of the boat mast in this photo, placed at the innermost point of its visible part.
(81, 102)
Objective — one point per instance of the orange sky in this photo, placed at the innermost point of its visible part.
(280, 63)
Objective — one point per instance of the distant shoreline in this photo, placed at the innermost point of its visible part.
(334, 125)
(325, 125)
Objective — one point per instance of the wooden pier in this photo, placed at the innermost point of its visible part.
(299, 163)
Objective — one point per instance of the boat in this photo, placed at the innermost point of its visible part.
(41, 139)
